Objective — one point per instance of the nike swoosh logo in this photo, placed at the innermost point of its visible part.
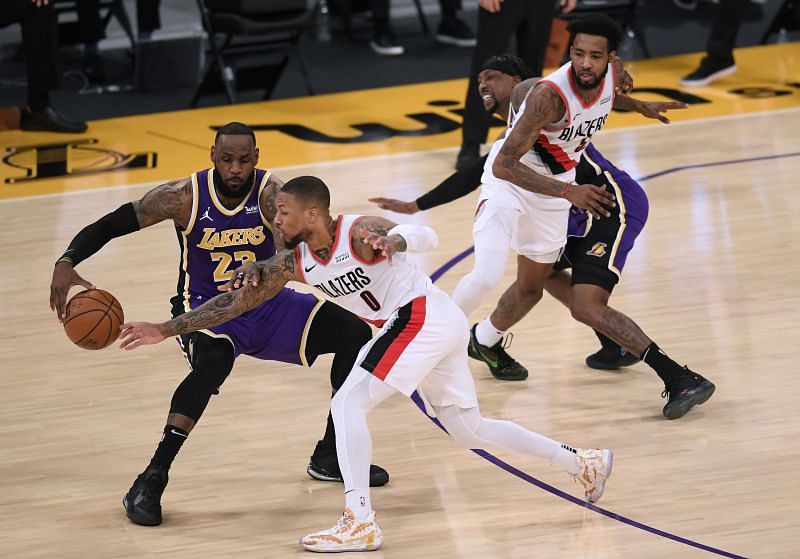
(174, 432)
(310, 268)
(489, 360)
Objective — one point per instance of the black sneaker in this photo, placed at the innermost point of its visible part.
(384, 41)
(468, 154)
(709, 70)
(454, 31)
(611, 358)
(143, 501)
(326, 468)
(500, 363)
(688, 390)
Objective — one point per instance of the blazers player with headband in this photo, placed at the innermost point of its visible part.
(222, 218)
(596, 250)
(360, 261)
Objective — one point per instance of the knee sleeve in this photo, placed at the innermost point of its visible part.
(211, 360)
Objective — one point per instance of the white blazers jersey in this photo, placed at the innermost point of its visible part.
(371, 290)
(559, 146)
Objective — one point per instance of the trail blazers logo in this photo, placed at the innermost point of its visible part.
(598, 249)
(77, 157)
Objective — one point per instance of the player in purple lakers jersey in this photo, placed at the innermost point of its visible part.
(222, 218)
(596, 250)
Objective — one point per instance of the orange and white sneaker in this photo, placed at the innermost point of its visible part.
(595, 466)
(348, 534)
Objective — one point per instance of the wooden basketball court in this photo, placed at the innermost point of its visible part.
(712, 279)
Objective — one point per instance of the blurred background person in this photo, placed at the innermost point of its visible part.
(40, 46)
(528, 21)
(718, 61)
(452, 29)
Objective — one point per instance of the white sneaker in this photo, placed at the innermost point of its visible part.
(348, 534)
(595, 467)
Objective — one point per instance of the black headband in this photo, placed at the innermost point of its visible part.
(506, 66)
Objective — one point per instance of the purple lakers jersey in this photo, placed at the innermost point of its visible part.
(217, 240)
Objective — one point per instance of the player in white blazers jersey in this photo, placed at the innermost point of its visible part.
(528, 177)
(360, 262)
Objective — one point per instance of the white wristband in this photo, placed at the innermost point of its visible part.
(419, 238)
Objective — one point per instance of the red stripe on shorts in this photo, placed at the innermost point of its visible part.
(405, 337)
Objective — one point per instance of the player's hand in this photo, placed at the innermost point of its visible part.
(395, 205)
(135, 334)
(653, 109)
(246, 274)
(388, 245)
(64, 277)
(594, 199)
(491, 6)
(624, 83)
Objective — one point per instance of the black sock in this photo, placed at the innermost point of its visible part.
(664, 367)
(327, 446)
(171, 442)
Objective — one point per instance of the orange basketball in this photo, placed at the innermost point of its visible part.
(93, 319)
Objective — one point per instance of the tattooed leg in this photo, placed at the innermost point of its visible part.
(589, 305)
(523, 294)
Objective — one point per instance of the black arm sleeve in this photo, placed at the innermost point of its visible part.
(93, 237)
(455, 186)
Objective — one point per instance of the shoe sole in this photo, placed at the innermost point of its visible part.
(387, 51)
(135, 518)
(707, 80)
(372, 547)
(608, 458)
(683, 408)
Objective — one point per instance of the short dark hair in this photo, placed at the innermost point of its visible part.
(235, 129)
(508, 64)
(311, 190)
(596, 24)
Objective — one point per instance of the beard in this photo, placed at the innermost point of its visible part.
(491, 110)
(585, 86)
(293, 242)
(226, 191)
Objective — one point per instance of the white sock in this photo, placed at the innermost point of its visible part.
(487, 334)
(566, 457)
(359, 502)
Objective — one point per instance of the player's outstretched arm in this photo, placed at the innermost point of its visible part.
(648, 109)
(259, 280)
(172, 200)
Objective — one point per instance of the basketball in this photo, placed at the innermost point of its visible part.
(93, 319)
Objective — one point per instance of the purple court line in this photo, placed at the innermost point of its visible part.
(547, 487)
(574, 500)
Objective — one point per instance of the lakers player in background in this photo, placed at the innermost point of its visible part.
(223, 217)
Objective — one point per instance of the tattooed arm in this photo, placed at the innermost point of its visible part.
(172, 200)
(369, 226)
(269, 208)
(544, 107)
(261, 281)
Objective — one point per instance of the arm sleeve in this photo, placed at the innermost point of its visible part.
(93, 237)
(455, 186)
(419, 238)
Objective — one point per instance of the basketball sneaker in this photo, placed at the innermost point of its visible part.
(595, 466)
(348, 534)
(326, 468)
(143, 501)
(687, 391)
(611, 358)
(500, 363)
